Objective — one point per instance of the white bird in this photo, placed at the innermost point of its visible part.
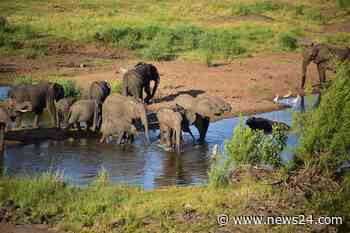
(214, 151)
(296, 100)
(122, 70)
(276, 99)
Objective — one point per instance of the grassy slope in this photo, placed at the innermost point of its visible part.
(107, 208)
(79, 21)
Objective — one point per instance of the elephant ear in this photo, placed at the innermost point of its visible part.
(186, 101)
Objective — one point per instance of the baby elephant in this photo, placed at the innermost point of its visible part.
(62, 111)
(88, 111)
(171, 124)
(123, 128)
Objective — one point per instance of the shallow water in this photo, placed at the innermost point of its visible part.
(137, 164)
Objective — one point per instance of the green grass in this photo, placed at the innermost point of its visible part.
(69, 86)
(163, 30)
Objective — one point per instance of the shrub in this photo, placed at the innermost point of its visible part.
(116, 87)
(325, 132)
(260, 6)
(69, 86)
(25, 80)
(161, 48)
(344, 4)
(288, 41)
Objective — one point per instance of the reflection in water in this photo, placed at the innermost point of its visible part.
(137, 164)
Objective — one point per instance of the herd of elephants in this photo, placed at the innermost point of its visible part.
(125, 114)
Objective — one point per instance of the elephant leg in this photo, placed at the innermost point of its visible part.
(120, 137)
(178, 140)
(321, 68)
(36, 120)
(202, 126)
(2, 135)
(103, 138)
(19, 121)
(148, 93)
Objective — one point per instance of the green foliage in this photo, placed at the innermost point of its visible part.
(260, 6)
(288, 40)
(248, 147)
(69, 86)
(161, 48)
(25, 80)
(116, 87)
(325, 134)
(300, 9)
(344, 4)
(338, 39)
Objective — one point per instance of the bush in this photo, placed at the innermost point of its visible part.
(288, 41)
(69, 86)
(25, 80)
(161, 48)
(260, 6)
(116, 87)
(344, 4)
(325, 132)
(248, 147)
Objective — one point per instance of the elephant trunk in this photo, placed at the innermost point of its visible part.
(145, 124)
(306, 62)
(156, 84)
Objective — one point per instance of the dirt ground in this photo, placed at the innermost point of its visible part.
(249, 84)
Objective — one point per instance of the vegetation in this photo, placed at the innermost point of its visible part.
(69, 86)
(25, 80)
(116, 87)
(164, 30)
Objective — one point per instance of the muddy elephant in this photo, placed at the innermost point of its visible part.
(123, 128)
(321, 55)
(138, 79)
(62, 111)
(88, 111)
(259, 123)
(8, 114)
(171, 124)
(40, 96)
(99, 90)
(200, 110)
(123, 108)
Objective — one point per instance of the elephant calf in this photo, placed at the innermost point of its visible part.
(99, 90)
(62, 111)
(88, 111)
(122, 128)
(171, 124)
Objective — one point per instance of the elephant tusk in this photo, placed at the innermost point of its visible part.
(23, 110)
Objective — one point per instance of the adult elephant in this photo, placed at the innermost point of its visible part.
(99, 90)
(321, 55)
(8, 114)
(138, 79)
(40, 96)
(201, 110)
(122, 108)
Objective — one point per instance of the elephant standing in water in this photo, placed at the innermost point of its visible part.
(123, 129)
(88, 111)
(99, 90)
(201, 110)
(139, 78)
(171, 124)
(124, 111)
(321, 55)
(62, 111)
(8, 114)
(40, 96)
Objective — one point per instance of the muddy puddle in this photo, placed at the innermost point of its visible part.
(148, 166)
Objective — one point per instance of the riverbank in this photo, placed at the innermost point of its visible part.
(103, 207)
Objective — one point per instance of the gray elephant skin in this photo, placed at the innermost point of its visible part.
(200, 110)
(138, 79)
(8, 114)
(88, 111)
(124, 109)
(99, 90)
(171, 124)
(40, 96)
(321, 55)
(62, 111)
(124, 129)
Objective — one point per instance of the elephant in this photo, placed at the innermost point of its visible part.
(139, 78)
(62, 111)
(123, 108)
(40, 96)
(259, 123)
(200, 110)
(99, 90)
(321, 55)
(171, 124)
(8, 114)
(123, 128)
(88, 111)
